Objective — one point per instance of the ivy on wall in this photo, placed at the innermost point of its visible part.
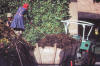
(45, 17)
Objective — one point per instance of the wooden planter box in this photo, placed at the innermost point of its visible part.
(48, 55)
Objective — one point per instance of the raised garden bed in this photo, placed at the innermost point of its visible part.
(55, 49)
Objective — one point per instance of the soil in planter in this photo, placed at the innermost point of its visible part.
(62, 41)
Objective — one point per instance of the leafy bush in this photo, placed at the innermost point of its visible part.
(45, 17)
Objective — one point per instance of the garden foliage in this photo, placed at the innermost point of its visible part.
(45, 16)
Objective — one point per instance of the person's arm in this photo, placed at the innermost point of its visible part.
(28, 16)
(7, 23)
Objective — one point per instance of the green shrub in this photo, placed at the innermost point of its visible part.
(45, 17)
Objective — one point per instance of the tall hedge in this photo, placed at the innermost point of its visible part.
(45, 17)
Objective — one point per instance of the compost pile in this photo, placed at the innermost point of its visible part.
(14, 50)
(61, 40)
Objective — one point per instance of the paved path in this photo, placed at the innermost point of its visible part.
(97, 64)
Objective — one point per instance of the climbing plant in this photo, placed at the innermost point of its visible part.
(8, 6)
(45, 17)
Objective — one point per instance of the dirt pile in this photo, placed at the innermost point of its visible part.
(14, 51)
(62, 41)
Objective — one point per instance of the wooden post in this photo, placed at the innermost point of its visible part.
(39, 55)
(55, 49)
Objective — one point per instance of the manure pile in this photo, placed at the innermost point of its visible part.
(14, 51)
